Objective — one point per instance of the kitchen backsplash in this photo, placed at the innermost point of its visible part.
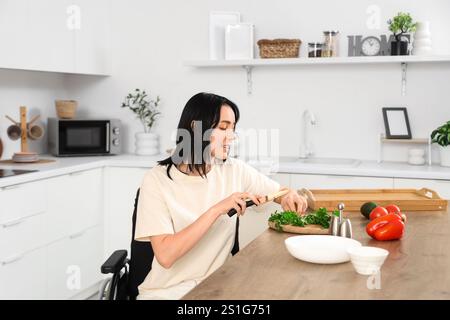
(346, 99)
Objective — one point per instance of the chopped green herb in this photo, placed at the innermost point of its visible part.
(319, 217)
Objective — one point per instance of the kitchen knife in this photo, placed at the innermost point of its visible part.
(265, 199)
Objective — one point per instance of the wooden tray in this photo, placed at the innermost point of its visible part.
(308, 229)
(407, 199)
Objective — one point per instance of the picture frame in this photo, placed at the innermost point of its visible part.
(239, 41)
(218, 20)
(396, 123)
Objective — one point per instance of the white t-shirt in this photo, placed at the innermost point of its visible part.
(168, 206)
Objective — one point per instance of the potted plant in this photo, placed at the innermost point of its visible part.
(441, 136)
(400, 26)
(146, 110)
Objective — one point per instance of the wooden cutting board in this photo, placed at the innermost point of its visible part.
(308, 229)
(407, 199)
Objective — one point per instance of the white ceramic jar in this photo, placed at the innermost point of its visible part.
(422, 39)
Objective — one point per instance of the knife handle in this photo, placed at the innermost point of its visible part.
(233, 211)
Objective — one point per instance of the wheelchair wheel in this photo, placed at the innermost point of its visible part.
(105, 289)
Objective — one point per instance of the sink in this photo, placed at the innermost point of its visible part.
(346, 162)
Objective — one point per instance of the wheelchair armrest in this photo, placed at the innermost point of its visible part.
(115, 262)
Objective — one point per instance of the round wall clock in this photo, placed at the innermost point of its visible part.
(371, 46)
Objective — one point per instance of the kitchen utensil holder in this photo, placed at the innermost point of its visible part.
(23, 130)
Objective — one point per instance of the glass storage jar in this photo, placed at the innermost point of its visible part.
(331, 44)
(315, 49)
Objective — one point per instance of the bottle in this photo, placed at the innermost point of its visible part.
(315, 49)
(331, 44)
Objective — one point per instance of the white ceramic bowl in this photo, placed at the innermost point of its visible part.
(321, 249)
(367, 260)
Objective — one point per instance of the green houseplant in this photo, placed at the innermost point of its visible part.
(401, 25)
(146, 110)
(441, 136)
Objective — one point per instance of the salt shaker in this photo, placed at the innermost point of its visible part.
(335, 225)
(346, 229)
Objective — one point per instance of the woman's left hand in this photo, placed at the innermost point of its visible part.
(292, 201)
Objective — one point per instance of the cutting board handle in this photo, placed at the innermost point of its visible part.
(309, 197)
(431, 194)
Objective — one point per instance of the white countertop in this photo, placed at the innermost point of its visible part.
(65, 165)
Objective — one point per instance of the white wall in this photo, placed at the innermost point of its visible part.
(35, 90)
(150, 39)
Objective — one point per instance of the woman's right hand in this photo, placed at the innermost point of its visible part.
(236, 201)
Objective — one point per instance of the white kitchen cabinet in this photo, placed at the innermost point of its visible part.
(55, 35)
(92, 38)
(73, 263)
(23, 276)
(442, 187)
(310, 181)
(51, 42)
(22, 200)
(22, 212)
(76, 203)
(284, 179)
(121, 185)
(14, 30)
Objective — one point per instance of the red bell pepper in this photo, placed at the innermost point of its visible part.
(388, 227)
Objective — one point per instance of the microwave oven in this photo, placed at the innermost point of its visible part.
(84, 137)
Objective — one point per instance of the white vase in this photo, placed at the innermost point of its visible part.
(147, 144)
(445, 156)
(422, 40)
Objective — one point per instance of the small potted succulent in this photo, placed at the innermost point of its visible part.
(146, 110)
(401, 25)
(441, 136)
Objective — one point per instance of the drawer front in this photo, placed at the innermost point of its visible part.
(22, 200)
(76, 203)
(22, 235)
(23, 276)
(73, 263)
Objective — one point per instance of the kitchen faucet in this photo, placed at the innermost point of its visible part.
(305, 149)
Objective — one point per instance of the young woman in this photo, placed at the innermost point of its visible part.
(184, 201)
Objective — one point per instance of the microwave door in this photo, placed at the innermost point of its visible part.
(83, 137)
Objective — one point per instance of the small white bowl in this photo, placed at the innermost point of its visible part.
(367, 260)
(320, 249)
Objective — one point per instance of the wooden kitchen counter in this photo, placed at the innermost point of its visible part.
(418, 267)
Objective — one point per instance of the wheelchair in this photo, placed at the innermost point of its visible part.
(128, 273)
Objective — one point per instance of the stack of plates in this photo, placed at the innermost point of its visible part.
(25, 157)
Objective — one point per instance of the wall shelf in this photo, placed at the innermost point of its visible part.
(248, 65)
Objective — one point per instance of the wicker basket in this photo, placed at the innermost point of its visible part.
(279, 48)
(66, 109)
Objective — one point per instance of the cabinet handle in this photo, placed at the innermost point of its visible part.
(11, 187)
(339, 177)
(77, 173)
(12, 259)
(77, 235)
(13, 223)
